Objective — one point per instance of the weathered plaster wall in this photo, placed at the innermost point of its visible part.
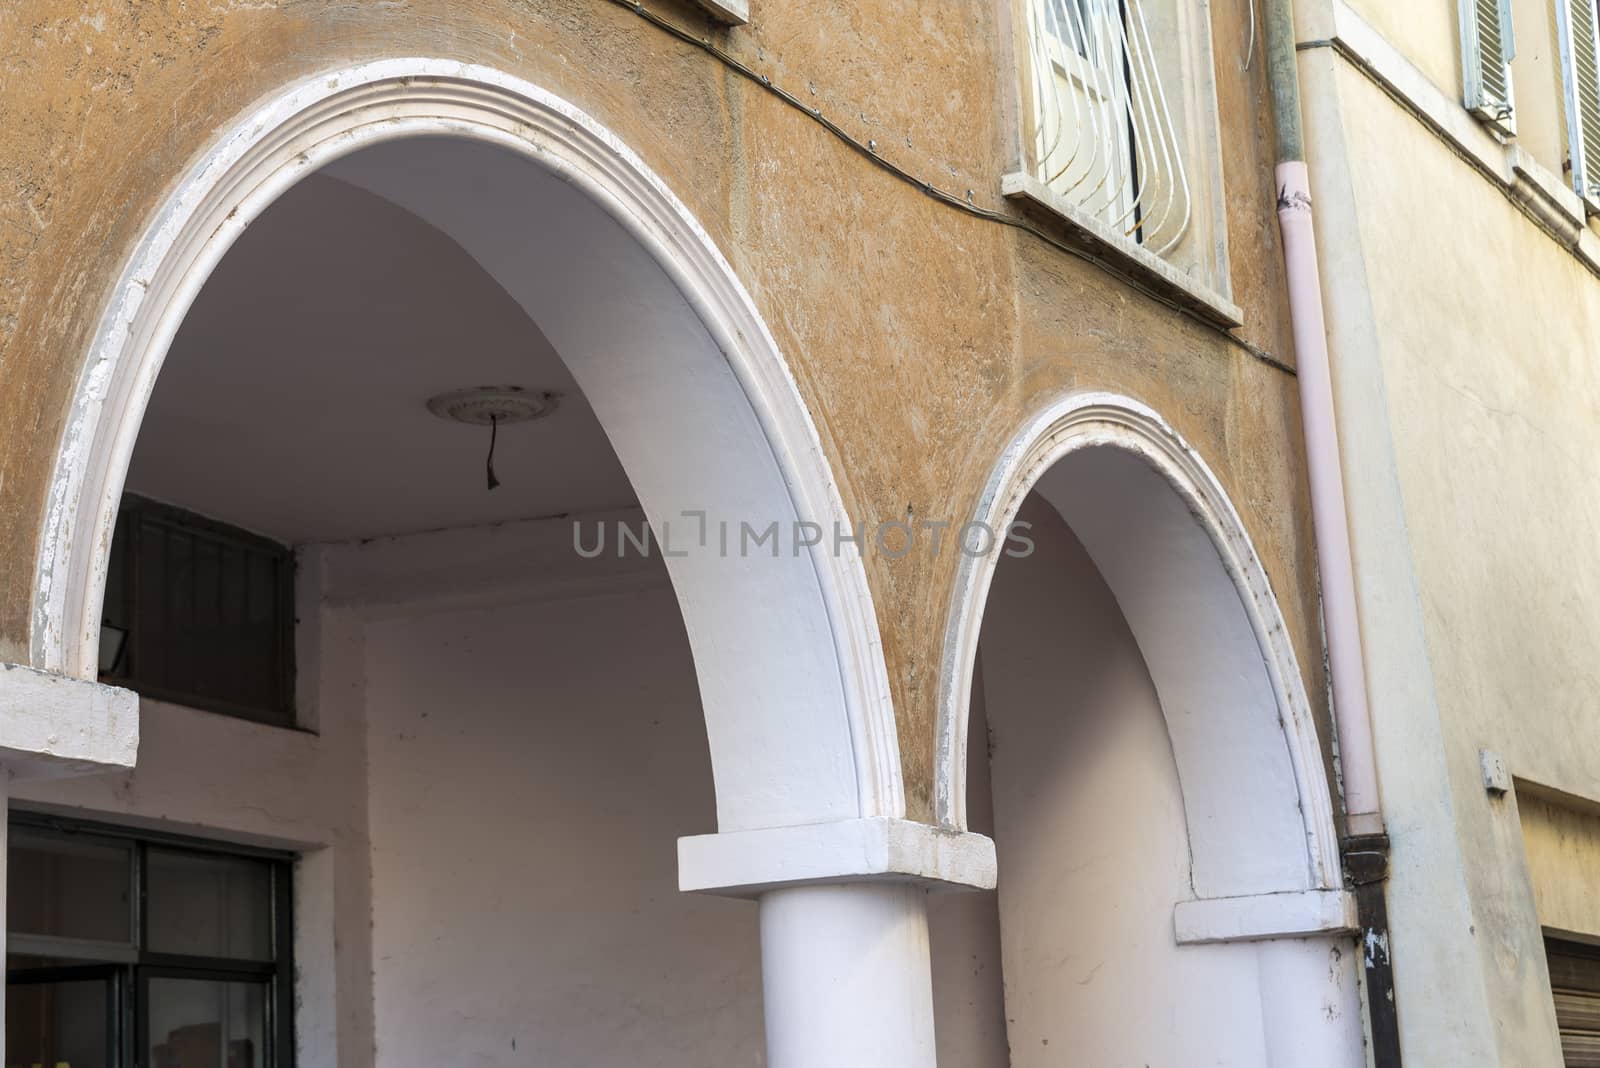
(1563, 843)
(1090, 832)
(1428, 34)
(1073, 772)
(529, 912)
(231, 780)
(1470, 395)
(1427, 30)
(920, 336)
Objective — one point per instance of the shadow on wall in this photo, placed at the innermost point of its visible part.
(1074, 956)
(526, 799)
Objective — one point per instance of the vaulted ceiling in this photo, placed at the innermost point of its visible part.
(293, 402)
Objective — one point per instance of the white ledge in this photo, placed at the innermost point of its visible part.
(53, 725)
(1542, 193)
(1137, 261)
(1296, 914)
(733, 12)
(746, 863)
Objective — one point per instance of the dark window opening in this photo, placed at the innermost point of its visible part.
(134, 951)
(1575, 981)
(199, 613)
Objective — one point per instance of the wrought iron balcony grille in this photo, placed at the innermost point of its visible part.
(1100, 132)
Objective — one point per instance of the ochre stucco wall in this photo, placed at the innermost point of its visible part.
(921, 337)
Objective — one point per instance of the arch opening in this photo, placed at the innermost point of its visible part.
(499, 726)
(653, 326)
(1123, 713)
(1161, 531)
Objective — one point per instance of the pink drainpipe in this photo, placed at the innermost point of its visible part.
(1334, 569)
(1366, 845)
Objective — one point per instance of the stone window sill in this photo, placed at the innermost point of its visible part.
(1541, 193)
(732, 12)
(1132, 258)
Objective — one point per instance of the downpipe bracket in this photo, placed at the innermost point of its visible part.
(1366, 871)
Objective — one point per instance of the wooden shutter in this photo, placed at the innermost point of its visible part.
(1580, 74)
(1487, 48)
(1575, 980)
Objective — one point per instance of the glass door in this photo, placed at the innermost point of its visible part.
(62, 1016)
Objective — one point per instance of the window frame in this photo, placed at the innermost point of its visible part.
(1197, 274)
(135, 512)
(131, 974)
(1498, 112)
(1104, 84)
(110, 974)
(1582, 142)
(1560, 944)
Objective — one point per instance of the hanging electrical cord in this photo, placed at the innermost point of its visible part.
(488, 464)
(944, 196)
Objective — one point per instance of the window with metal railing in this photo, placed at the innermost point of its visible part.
(1102, 133)
(1119, 134)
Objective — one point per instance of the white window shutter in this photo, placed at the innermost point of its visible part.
(1580, 74)
(1487, 48)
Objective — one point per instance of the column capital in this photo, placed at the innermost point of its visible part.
(56, 725)
(875, 849)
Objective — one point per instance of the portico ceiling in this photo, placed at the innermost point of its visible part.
(293, 401)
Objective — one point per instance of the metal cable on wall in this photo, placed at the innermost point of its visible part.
(950, 199)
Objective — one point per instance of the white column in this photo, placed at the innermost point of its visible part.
(846, 976)
(845, 968)
(1311, 1003)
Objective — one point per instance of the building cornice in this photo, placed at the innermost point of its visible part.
(1532, 188)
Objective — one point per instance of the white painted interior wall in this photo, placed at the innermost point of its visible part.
(510, 744)
(235, 781)
(532, 766)
(534, 753)
(527, 748)
(532, 758)
(1089, 825)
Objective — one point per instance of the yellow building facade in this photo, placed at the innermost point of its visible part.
(1459, 266)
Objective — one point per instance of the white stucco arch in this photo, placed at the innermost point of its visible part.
(1173, 550)
(684, 375)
